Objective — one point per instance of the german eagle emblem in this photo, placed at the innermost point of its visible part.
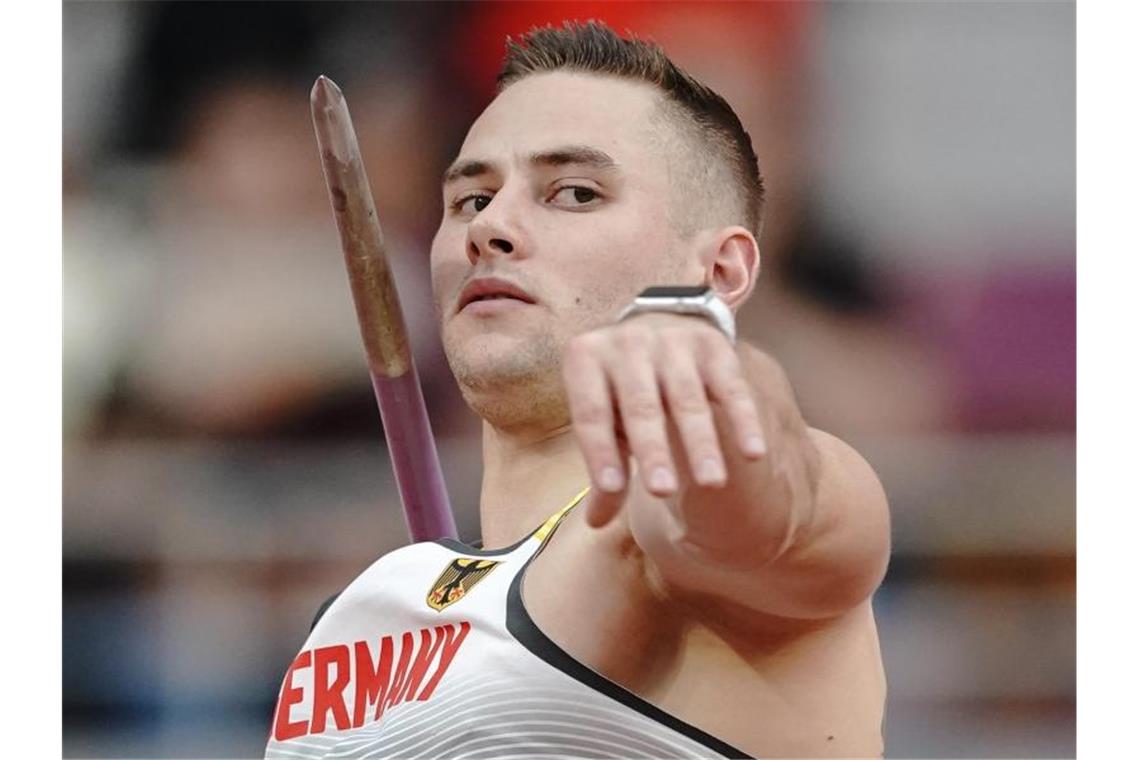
(457, 579)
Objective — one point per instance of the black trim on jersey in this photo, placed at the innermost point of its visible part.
(526, 632)
(476, 548)
(478, 551)
(322, 609)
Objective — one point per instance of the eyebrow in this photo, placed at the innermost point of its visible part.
(466, 168)
(582, 155)
(579, 155)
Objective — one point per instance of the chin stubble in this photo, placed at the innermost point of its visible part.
(512, 387)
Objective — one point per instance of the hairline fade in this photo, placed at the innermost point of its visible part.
(721, 146)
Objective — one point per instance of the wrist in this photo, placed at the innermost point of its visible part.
(696, 301)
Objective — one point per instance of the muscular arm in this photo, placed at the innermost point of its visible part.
(798, 531)
(801, 532)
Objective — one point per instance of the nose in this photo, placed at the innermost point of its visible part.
(493, 231)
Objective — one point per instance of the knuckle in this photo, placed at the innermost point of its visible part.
(676, 351)
(741, 395)
(597, 450)
(684, 386)
(711, 343)
(651, 451)
(729, 379)
(690, 406)
(592, 413)
(722, 358)
(738, 392)
(677, 335)
(698, 431)
(632, 336)
(641, 408)
(708, 336)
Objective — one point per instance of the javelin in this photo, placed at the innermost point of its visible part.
(394, 379)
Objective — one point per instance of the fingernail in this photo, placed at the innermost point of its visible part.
(754, 445)
(610, 479)
(662, 480)
(711, 471)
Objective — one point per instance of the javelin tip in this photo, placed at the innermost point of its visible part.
(325, 92)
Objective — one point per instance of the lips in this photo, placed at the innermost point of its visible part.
(488, 288)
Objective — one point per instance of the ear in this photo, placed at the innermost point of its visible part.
(732, 265)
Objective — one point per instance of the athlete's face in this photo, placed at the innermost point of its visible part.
(562, 189)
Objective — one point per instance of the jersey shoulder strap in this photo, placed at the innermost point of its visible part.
(542, 534)
(552, 522)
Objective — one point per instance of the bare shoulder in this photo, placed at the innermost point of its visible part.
(819, 684)
(772, 686)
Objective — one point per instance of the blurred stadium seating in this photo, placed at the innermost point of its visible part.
(224, 469)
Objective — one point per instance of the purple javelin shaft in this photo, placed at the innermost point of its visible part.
(414, 457)
(406, 426)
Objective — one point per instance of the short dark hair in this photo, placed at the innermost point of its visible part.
(595, 48)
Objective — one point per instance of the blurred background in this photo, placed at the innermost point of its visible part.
(224, 464)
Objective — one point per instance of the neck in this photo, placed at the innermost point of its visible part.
(527, 476)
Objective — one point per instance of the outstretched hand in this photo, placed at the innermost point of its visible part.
(628, 383)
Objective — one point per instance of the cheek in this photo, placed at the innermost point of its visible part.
(448, 265)
(605, 275)
(627, 251)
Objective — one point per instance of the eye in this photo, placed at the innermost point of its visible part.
(471, 204)
(575, 196)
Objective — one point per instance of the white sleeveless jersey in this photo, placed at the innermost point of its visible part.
(430, 653)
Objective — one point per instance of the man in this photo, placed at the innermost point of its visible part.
(708, 594)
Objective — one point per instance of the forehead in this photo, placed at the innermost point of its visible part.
(568, 108)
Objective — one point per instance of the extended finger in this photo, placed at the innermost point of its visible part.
(592, 415)
(634, 379)
(688, 404)
(724, 378)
